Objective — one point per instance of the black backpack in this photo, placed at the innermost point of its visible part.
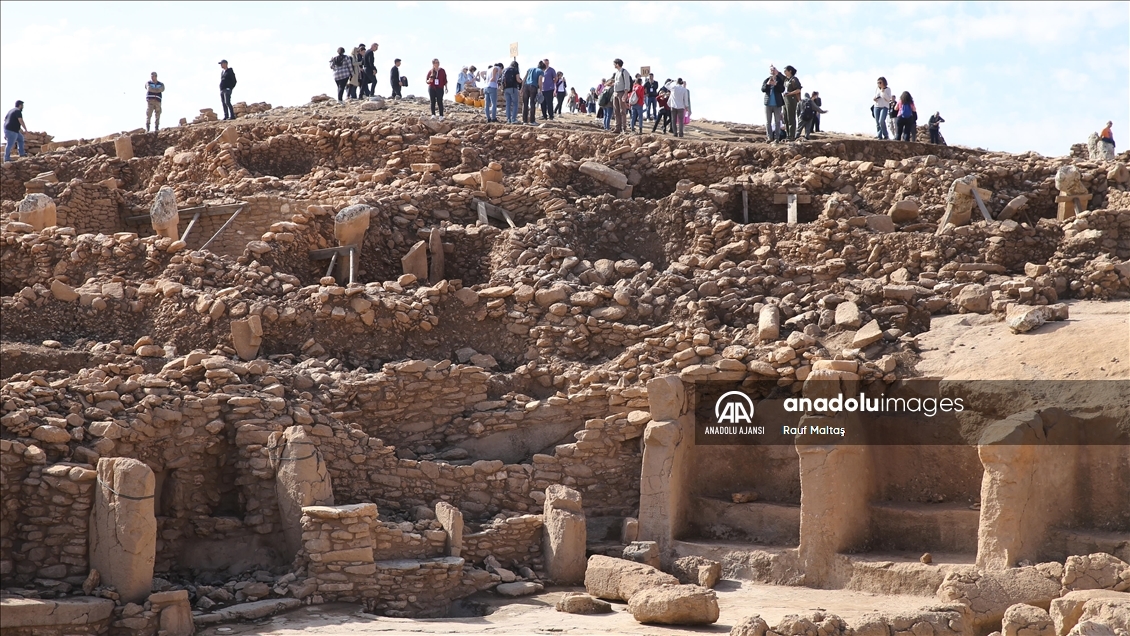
(808, 111)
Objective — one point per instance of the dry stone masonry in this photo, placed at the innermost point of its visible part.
(347, 353)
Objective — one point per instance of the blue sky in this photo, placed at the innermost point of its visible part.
(1006, 76)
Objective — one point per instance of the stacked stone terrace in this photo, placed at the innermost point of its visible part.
(420, 359)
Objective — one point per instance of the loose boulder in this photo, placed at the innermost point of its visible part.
(696, 570)
(675, 605)
(578, 603)
(618, 579)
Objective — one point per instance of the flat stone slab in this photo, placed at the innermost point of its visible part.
(33, 612)
(248, 611)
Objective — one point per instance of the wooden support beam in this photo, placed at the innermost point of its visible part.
(333, 261)
(964, 188)
(488, 211)
(745, 206)
(792, 209)
(802, 198)
(223, 227)
(188, 213)
(352, 262)
(322, 254)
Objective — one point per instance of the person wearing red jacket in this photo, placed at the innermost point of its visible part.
(664, 114)
(437, 86)
(639, 94)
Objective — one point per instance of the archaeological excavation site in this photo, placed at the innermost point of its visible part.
(344, 368)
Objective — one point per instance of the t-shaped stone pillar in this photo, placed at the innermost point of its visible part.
(564, 535)
(164, 215)
(1071, 191)
(350, 226)
(123, 528)
(301, 479)
(38, 211)
(123, 147)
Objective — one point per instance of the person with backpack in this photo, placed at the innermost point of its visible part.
(622, 85)
(605, 104)
(437, 86)
(934, 124)
(881, 106)
(397, 81)
(153, 90)
(227, 85)
(774, 89)
(807, 116)
(511, 84)
(531, 91)
(342, 67)
(663, 114)
(636, 101)
(907, 118)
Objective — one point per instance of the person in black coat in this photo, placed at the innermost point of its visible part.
(227, 83)
(394, 77)
(774, 89)
(369, 64)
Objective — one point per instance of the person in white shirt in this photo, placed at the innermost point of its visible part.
(680, 105)
(882, 104)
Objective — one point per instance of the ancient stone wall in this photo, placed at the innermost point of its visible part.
(51, 528)
(515, 542)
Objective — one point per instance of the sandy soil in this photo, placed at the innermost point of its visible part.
(1094, 344)
(536, 615)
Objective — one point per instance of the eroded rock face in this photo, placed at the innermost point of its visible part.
(1026, 620)
(989, 594)
(123, 539)
(163, 214)
(38, 211)
(959, 205)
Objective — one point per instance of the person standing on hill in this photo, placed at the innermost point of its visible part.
(153, 91)
(1107, 137)
(548, 88)
(935, 126)
(394, 77)
(882, 103)
(227, 85)
(652, 88)
(663, 115)
(819, 111)
(437, 86)
(562, 90)
(511, 87)
(531, 90)
(636, 101)
(621, 86)
(680, 105)
(342, 67)
(13, 138)
(369, 88)
(907, 118)
(490, 93)
(792, 100)
(774, 89)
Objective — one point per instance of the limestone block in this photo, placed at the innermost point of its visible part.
(769, 323)
(959, 201)
(867, 335)
(123, 528)
(602, 173)
(435, 253)
(904, 211)
(1025, 318)
(374, 103)
(629, 529)
(351, 223)
(666, 397)
(750, 626)
(38, 211)
(175, 612)
(1015, 205)
(244, 340)
(1096, 571)
(301, 479)
(163, 214)
(415, 262)
(989, 593)
(696, 570)
(451, 518)
(123, 147)
(578, 603)
(848, 315)
(564, 535)
(45, 616)
(1070, 608)
(618, 580)
(493, 189)
(974, 299)
(1026, 620)
(1069, 181)
(646, 552)
(880, 223)
(675, 605)
(519, 588)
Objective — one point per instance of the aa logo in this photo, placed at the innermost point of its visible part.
(733, 407)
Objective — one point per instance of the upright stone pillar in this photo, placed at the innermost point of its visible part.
(435, 251)
(123, 147)
(564, 536)
(959, 202)
(123, 529)
(301, 479)
(415, 262)
(835, 491)
(350, 226)
(451, 518)
(163, 215)
(1070, 184)
(38, 211)
(664, 507)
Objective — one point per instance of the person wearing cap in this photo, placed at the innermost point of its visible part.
(227, 83)
(153, 90)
